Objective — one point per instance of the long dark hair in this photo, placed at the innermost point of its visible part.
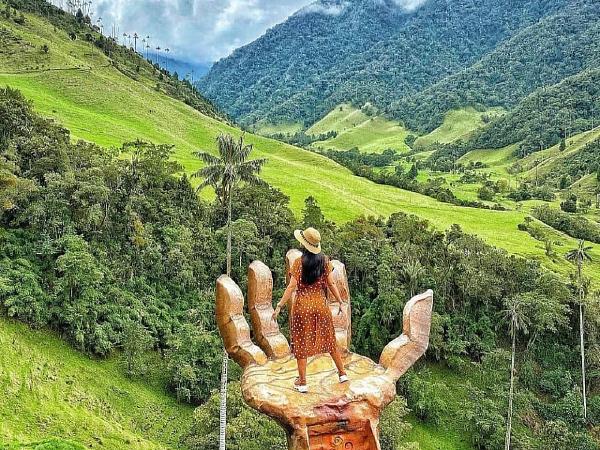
(313, 266)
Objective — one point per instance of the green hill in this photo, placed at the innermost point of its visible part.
(542, 163)
(546, 115)
(458, 125)
(60, 392)
(101, 104)
(379, 51)
(494, 158)
(541, 55)
(370, 133)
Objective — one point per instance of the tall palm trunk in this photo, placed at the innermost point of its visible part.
(229, 232)
(512, 389)
(581, 345)
(224, 368)
(223, 409)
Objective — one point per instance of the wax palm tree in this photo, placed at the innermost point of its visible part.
(579, 256)
(223, 173)
(517, 323)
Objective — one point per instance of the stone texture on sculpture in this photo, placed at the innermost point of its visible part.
(331, 415)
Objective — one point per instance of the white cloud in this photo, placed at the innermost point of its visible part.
(195, 30)
(204, 31)
(409, 5)
(327, 8)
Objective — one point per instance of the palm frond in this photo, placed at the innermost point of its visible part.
(254, 165)
(242, 152)
(209, 171)
(208, 158)
(226, 146)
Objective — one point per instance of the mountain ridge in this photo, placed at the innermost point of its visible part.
(302, 68)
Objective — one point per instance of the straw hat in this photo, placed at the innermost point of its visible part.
(310, 239)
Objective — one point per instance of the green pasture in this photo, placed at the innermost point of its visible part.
(458, 124)
(51, 391)
(370, 134)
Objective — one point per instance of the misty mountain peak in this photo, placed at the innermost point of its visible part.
(338, 7)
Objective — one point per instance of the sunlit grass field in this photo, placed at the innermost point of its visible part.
(104, 106)
(50, 390)
(269, 129)
(458, 124)
(370, 134)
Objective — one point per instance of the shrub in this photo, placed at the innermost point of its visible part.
(193, 360)
(594, 410)
(568, 409)
(486, 193)
(393, 428)
(569, 204)
(20, 19)
(425, 398)
(246, 428)
(556, 382)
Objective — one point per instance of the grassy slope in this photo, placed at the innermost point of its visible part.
(548, 159)
(60, 392)
(46, 444)
(105, 106)
(496, 159)
(458, 124)
(269, 129)
(356, 129)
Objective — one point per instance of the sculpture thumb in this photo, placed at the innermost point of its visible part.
(401, 353)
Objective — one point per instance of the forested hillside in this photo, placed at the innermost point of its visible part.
(359, 51)
(541, 55)
(548, 115)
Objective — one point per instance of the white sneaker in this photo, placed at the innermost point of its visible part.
(302, 388)
(343, 378)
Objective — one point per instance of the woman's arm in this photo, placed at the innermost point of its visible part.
(291, 288)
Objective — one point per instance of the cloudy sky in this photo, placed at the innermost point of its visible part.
(200, 31)
(203, 31)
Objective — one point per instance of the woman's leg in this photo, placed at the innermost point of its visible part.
(337, 359)
(301, 371)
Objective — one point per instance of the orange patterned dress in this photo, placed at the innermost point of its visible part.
(312, 329)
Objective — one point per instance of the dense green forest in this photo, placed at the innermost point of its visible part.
(539, 56)
(361, 51)
(548, 115)
(117, 253)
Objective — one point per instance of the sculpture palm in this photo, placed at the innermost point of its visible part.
(331, 415)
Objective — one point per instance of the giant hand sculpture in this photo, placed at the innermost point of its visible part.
(332, 415)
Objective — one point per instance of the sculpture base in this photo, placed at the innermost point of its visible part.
(358, 439)
(332, 415)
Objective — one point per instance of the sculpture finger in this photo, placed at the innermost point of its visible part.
(233, 326)
(341, 321)
(290, 258)
(260, 305)
(400, 354)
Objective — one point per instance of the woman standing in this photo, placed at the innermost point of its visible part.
(312, 331)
